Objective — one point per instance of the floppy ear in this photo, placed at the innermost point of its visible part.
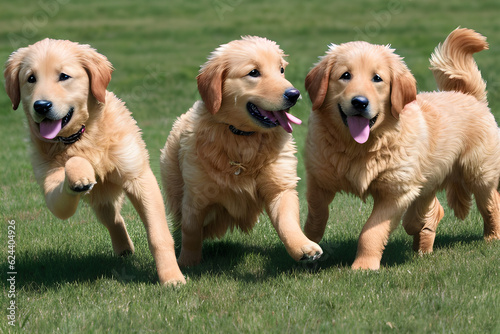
(403, 89)
(210, 82)
(317, 82)
(99, 70)
(11, 75)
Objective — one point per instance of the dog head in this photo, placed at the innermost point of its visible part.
(364, 83)
(243, 84)
(56, 81)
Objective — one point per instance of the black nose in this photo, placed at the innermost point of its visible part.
(359, 103)
(292, 94)
(42, 107)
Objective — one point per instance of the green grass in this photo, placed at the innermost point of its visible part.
(68, 279)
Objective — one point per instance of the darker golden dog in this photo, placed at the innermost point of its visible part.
(232, 154)
(371, 134)
(86, 144)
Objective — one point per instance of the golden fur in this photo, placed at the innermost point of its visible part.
(216, 180)
(110, 157)
(417, 145)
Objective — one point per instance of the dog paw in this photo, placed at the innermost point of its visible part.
(173, 279)
(80, 175)
(308, 258)
(311, 252)
(366, 263)
(494, 235)
(424, 241)
(83, 186)
(188, 259)
(126, 253)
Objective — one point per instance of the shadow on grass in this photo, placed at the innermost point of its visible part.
(397, 252)
(49, 269)
(228, 258)
(447, 241)
(247, 263)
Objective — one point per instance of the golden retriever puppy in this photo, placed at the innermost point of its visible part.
(371, 134)
(87, 145)
(232, 154)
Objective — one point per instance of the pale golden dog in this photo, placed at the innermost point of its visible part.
(371, 134)
(86, 144)
(232, 154)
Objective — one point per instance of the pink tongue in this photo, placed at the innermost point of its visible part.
(49, 129)
(359, 128)
(293, 119)
(283, 118)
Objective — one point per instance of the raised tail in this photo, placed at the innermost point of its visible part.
(454, 67)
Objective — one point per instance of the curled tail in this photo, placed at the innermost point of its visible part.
(454, 67)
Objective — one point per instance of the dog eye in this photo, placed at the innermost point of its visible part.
(346, 76)
(63, 77)
(32, 79)
(377, 78)
(254, 73)
(282, 70)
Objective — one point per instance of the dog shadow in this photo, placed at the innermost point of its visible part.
(396, 252)
(247, 263)
(47, 269)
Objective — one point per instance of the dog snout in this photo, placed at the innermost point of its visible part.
(292, 94)
(42, 107)
(360, 103)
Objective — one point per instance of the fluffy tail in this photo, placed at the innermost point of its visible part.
(454, 67)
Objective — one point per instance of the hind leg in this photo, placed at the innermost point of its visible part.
(488, 203)
(108, 214)
(458, 195)
(318, 201)
(421, 220)
(192, 237)
(196, 206)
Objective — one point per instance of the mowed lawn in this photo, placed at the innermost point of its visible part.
(68, 280)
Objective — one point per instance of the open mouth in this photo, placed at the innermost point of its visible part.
(271, 119)
(359, 126)
(50, 128)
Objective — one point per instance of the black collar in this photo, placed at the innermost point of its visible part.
(240, 132)
(73, 138)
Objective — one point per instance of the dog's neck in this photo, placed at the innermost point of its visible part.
(240, 132)
(73, 138)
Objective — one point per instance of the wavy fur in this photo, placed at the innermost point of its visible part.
(425, 143)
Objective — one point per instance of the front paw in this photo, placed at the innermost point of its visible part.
(310, 252)
(80, 175)
(366, 263)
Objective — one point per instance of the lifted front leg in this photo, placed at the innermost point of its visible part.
(63, 186)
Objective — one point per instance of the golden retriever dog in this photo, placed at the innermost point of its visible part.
(86, 144)
(371, 134)
(232, 154)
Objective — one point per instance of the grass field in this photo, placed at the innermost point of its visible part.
(67, 277)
